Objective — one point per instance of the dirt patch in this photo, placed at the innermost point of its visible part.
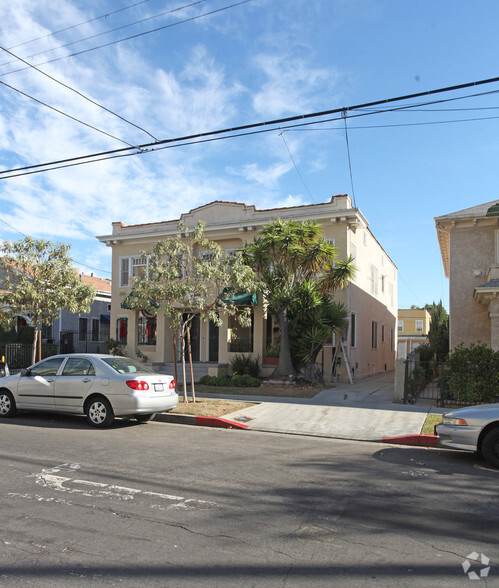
(278, 391)
(210, 407)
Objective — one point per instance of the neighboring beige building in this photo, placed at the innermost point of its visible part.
(412, 330)
(469, 244)
(371, 297)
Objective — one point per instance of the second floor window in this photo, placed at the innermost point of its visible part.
(419, 326)
(132, 266)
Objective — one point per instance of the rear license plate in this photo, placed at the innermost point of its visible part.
(159, 387)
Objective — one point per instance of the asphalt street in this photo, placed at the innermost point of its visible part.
(172, 505)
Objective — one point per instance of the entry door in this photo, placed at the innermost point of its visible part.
(195, 340)
(213, 342)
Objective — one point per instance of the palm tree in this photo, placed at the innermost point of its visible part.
(284, 256)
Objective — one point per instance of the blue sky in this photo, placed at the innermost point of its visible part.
(259, 61)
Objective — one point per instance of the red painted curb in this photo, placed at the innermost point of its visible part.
(218, 422)
(419, 440)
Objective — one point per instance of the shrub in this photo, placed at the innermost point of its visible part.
(472, 374)
(244, 381)
(214, 381)
(425, 352)
(245, 365)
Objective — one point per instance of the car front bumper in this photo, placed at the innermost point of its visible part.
(457, 437)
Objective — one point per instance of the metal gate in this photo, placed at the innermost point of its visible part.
(423, 381)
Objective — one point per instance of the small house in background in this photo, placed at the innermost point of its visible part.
(412, 330)
(83, 333)
(469, 245)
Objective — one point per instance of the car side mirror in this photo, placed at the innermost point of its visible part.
(25, 372)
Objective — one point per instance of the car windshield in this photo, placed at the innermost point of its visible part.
(125, 365)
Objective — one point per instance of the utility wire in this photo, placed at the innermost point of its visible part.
(79, 94)
(67, 115)
(344, 115)
(241, 130)
(108, 31)
(76, 261)
(192, 18)
(107, 15)
(281, 134)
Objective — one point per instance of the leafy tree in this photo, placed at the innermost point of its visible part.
(312, 318)
(38, 279)
(284, 256)
(438, 334)
(186, 276)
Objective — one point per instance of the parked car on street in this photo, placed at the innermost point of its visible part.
(98, 386)
(475, 428)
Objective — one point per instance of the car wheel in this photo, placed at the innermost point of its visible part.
(490, 447)
(145, 418)
(99, 412)
(7, 404)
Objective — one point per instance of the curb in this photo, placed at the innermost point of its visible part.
(418, 440)
(203, 421)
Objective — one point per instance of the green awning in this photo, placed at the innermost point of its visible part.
(239, 298)
(130, 303)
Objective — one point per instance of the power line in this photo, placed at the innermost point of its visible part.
(296, 167)
(79, 94)
(137, 35)
(224, 133)
(76, 261)
(108, 31)
(65, 114)
(107, 15)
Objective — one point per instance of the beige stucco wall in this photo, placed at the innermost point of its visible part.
(471, 248)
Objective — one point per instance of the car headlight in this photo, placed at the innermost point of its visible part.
(455, 422)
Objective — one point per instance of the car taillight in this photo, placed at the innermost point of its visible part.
(137, 385)
(172, 385)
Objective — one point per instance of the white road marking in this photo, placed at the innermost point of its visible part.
(101, 490)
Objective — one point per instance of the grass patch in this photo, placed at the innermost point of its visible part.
(276, 391)
(209, 407)
(429, 424)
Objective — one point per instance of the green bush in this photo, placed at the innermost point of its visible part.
(214, 381)
(244, 381)
(425, 352)
(472, 374)
(245, 365)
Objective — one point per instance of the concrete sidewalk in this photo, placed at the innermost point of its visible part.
(361, 411)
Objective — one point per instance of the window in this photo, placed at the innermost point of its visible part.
(353, 330)
(353, 251)
(374, 280)
(382, 333)
(78, 367)
(419, 326)
(122, 329)
(240, 338)
(391, 339)
(132, 266)
(82, 329)
(147, 329)
(95, 329)
(374, 335)
(48, 367)
(124, 271)
(400, 326)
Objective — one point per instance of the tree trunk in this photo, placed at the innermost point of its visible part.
(182, 348)
(35, 341)
(284, 367)
(190, 363)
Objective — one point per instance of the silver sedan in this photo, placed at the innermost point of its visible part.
(475, 428)
(98, 386)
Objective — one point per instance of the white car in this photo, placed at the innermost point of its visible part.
(475, 428)
(98, 386)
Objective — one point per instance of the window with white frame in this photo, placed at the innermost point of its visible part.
(419, 326)
(400, 326)
(132, 266)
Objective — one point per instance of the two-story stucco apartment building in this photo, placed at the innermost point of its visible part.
(469, 245)
(412, 330)
(371, 297)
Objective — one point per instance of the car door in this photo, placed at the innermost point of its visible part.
(73, 384)
(35, 388)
